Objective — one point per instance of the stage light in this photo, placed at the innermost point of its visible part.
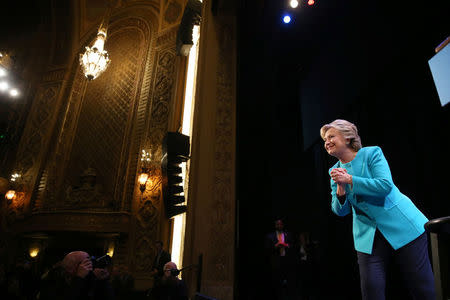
(286, 19)
(14, 92)
(293, 3)
(3, 86)
(311, 2)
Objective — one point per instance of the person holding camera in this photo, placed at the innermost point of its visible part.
(78, 276)
(170, 287)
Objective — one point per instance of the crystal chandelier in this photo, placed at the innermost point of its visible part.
(95, 59)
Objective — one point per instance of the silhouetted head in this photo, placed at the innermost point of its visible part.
(72, 260)
(168, 267)
(159, 246)
(279, 225)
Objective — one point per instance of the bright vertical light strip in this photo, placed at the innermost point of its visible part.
(177, 240)
(179, 221)
(190, 83)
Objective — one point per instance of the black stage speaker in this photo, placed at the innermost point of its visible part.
(175, 150)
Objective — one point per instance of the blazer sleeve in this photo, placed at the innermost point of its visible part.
(380, 184)
(338, 208)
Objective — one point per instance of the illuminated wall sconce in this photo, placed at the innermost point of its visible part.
(145, 171)
(10, 195)
(34, 251)
(143, 178)
(110, 251)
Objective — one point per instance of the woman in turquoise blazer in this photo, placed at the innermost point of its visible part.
(386, 223)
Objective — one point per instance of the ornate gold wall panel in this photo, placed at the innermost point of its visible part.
(222, 231)
(171, 13)
(37, 135)
(105, 222)
(96, 128)
(106, 119)
(150, 218)
(53, 173)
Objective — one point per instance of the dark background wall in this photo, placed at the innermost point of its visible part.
(366, 62)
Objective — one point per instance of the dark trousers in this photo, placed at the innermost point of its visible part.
(411, 260)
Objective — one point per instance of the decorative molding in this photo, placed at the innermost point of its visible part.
(220, 259)
(162, 95)
(89, 221)
(167, 37)
(143, 258)
(173, 11)
(38, 126)
(149, 209)
(89, 194)
(54, 75)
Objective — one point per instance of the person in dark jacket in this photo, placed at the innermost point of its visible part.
(162, 257)
(170, 287)
(278, 244)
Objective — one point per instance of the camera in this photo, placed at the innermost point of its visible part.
(174, 272)
(101, 262)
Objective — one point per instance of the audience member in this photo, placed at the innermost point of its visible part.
(122, 282)
(162, 257)
(306, 251)
(278, 246)
(76, 278)
(170, 287)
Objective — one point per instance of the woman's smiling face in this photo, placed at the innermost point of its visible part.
(335, 143)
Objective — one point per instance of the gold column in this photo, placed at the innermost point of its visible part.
(212, 174)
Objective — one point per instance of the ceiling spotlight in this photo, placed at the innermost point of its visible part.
(286, 19)
(3, 86)
(14, 92)
(293, 3)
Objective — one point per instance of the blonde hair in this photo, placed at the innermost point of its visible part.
(347, 129)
